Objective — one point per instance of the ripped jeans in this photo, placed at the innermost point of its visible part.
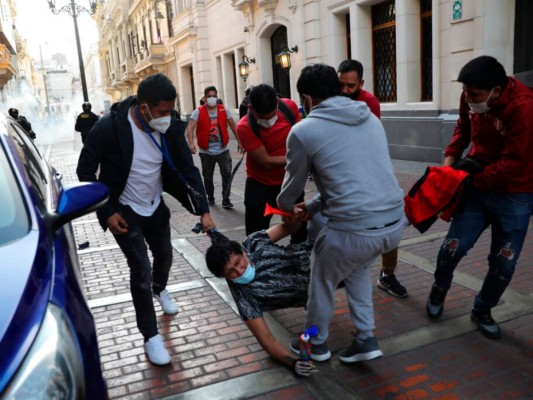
(508, 215)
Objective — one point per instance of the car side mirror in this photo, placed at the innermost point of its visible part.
(77, 200)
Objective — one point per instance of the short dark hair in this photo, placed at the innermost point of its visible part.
(263, 99)
(319, 81)
(155, 88)
(218, 254)
(209, 89)
(351, 65)
(484, 72)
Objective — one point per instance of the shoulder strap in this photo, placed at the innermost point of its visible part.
(286, 111)
(282, 107)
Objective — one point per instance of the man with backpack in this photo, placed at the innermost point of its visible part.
(263, 133)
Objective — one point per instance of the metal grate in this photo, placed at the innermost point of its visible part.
(384, 49)
(426, 50)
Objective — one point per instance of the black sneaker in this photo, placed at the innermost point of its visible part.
(390, 284)
(485, 323)
(211, 201)
(319, 352)
(361, 350)
(435, 303)
(227, 204)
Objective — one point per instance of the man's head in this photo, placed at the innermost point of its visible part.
(263, 101)
(211, 96)
(13, 113)
(156, 96)
(317, 82)
(484, 80)
(86, 107)
(351, 78)
(226, 259)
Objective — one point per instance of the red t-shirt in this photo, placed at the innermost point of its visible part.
(371, 101)
(275, 141)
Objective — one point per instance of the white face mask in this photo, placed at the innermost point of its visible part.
(160, 124)
(211, 101)
(267, 123)
(480, 108)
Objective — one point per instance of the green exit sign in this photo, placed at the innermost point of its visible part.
(457, 10)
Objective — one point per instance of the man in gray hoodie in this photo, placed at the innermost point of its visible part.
(344, 147)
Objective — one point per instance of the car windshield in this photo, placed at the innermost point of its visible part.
(14, 221)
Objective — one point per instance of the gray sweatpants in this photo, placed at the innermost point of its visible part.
(344, 255)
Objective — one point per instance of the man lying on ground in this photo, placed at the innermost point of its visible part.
(264, 276)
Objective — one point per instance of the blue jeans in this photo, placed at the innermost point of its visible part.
(508, 215)
(154, 230)
(209, 162)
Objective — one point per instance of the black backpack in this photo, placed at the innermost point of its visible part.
(282, 107)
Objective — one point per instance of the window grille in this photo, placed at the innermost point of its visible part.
(384, 50)
(426, 56)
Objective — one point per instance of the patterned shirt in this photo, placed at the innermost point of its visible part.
(281, 276)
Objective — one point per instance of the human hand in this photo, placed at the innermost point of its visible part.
(240, 149)
(304, 368)
(448, 161)
(207, 222)
(117, 225)
(192, 148)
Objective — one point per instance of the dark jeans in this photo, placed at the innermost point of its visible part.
(256, 196)
(154, 230)
(508, 215)
(208, 168)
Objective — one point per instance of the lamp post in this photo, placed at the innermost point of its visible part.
(74, 11)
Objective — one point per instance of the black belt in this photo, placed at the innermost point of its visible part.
(383, 226)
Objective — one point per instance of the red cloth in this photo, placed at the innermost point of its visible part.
(203, 126)
(436, 194)
(502, 139)
(371, 101)
(274, 139)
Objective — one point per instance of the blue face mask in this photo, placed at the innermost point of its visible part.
(247, 277)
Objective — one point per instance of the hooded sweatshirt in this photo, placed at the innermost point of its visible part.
(344, 146)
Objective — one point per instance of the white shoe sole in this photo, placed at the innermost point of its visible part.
(362, 356)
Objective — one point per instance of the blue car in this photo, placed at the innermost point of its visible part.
(48, 347)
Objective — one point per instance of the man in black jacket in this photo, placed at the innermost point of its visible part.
(85, 121)
(141, 151)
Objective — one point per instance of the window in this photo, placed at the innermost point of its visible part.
(426, 52)
(33, 164)
(384, 50)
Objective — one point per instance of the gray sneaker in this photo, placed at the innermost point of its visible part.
(319, 352)
(361, 351)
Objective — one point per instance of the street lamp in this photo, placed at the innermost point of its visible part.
(285, 56)
(244, 67)
(74, 10)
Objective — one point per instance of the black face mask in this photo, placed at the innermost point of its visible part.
(354, 95)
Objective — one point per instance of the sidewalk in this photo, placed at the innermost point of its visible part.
(214, 356)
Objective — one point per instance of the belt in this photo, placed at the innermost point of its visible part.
(383, 226)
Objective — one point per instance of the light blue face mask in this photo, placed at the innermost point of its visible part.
(247, 277)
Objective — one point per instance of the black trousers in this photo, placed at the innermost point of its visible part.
(256, 196)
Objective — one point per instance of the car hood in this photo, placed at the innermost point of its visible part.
(26, 277)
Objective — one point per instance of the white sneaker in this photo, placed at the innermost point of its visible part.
(167, 304)
(156, 351)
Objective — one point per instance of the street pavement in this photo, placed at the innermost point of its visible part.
(214, 356)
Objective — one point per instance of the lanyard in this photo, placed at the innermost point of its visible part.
(164, 151)
(163, 147)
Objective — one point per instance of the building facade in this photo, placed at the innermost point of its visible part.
(412, 51)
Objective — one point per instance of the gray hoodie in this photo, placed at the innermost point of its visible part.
(344, 146)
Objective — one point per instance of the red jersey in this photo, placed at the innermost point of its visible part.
(502, 139)
(274, 139)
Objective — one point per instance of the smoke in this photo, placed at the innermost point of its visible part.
(50, 128)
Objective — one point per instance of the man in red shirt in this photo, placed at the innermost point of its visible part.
(496, 118)
(265, 162)
(351, 79)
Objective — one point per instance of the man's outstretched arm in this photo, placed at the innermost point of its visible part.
(274, 348)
